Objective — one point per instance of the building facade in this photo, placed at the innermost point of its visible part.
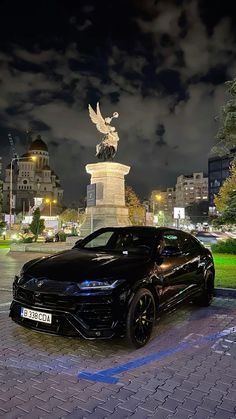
(191, 189)
(30, 176)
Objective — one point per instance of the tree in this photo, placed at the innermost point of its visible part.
(70, 215)
(228, 186)
(3, 226)
(37, 226)
(226, 136)
(136, 210)
(228, 216)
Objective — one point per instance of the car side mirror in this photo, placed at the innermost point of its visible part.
(171, 251)
(78, 242)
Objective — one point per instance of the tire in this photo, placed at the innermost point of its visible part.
(205, 299)
(140, 318)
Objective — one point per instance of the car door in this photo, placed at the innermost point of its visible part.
(194, 256)
(172, 267)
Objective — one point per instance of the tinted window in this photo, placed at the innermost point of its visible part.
(169, 239)
(189, 244)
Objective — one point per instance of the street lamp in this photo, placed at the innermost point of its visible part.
(11, 186)
(50, 202)
(156, 198)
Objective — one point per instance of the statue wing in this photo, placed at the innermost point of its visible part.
(98, 119)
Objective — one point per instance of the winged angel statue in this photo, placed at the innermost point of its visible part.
(107, 148)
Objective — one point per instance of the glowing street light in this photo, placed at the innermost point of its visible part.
(50, 202)
(156, 198)
(33, 158)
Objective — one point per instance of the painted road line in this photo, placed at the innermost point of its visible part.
(5, 304)
(106, 376)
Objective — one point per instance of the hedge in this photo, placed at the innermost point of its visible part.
(227, 246)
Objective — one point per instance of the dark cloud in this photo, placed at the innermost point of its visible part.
(161, 65)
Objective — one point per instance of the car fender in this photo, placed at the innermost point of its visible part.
(142, 283)
(209, 267)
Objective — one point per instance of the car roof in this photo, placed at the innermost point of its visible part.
(150, 229)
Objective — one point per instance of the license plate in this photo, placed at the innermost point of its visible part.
(37, 316)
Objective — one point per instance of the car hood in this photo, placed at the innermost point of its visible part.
(78, 264)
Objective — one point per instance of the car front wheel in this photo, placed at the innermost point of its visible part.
(140, 318)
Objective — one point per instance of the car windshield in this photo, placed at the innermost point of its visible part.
(137, 241)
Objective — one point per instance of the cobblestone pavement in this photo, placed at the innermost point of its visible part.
(188, 368)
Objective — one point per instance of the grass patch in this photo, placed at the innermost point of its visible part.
(4, 244)
(225, 266)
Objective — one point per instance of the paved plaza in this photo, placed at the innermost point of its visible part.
(188, 370)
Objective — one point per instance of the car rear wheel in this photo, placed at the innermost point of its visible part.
(140, 318)
(205, 299)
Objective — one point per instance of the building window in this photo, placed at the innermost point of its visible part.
(215, 165)
(225, 163)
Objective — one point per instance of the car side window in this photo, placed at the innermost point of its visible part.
(189, 244)
(170, 239)
(132, 240)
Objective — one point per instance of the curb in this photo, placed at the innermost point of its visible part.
(225, 292)
(46, 248)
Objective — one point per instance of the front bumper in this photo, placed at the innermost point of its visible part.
(92, 316)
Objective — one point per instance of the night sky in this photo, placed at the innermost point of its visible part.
(161, 64)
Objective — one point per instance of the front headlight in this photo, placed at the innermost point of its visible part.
(105, 284)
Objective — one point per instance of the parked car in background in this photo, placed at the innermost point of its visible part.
(115, 281)
(52, 238)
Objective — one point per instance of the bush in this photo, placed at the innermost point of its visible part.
(62, 236)
(27, 239)
(228, 246)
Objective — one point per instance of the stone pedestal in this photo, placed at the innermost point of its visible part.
(110, 209)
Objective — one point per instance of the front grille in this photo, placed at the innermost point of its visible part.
(60, 324)
(45, 300)
(63, 323)
(93, 312)
(24, 296)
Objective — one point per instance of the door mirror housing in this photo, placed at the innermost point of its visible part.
(78, 242)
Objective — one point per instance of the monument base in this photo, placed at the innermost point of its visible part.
(104, 216)
(110, 209)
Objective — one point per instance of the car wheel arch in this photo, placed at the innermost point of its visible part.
(207, 293)
(209, 270)
(143, 285)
